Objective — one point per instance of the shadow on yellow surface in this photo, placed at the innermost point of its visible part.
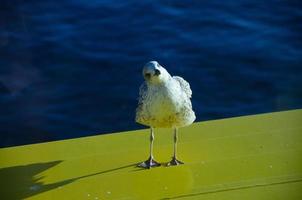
(20, 182)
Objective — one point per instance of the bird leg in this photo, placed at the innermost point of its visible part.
(150, 162)
(174, 160)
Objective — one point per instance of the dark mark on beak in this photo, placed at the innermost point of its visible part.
(147, 75)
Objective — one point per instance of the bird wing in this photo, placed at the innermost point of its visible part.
(142, 94)
(185, 86)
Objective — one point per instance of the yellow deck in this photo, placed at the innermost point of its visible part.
(251, 157)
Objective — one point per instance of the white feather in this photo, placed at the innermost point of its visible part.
(165, 102)
(185, 86)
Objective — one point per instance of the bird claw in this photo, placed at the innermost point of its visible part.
(149, 163)
(174, 162)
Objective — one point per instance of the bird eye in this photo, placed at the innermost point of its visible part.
(157, 72)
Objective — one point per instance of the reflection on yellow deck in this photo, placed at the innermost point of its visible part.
(251, 157)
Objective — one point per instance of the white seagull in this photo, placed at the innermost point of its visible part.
(164, 102)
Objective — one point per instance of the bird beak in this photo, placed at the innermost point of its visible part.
(147, 75)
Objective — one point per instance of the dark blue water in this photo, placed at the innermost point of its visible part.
(72, 68)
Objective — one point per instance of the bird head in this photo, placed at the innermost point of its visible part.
(154, 73)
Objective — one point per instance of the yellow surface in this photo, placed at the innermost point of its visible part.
(252, 157)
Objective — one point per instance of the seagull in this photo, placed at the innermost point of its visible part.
(164, 102)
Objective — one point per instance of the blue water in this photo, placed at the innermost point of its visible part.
(72, 68)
